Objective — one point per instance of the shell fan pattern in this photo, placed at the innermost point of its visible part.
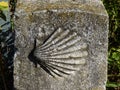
(62, 53)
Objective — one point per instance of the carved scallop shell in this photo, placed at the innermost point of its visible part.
(62, 53)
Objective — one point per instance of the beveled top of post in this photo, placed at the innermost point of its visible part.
(91, 6)
(53, 1)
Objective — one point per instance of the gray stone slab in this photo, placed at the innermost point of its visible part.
(40, 20)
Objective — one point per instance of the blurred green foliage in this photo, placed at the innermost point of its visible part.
(6, 56)
(113, 9)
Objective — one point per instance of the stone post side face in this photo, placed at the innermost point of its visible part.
(71, 45)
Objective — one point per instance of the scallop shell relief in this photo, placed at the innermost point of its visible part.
(61, 54)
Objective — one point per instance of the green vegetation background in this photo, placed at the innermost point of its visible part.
(113, 9)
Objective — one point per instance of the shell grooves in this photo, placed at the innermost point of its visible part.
(61, 54)
(57, 45)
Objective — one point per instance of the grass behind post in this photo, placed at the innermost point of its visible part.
(113, 9)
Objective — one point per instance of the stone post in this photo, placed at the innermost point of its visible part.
(62, 45)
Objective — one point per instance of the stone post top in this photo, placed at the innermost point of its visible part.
(95, 2)
(52, 1)
(91, 6)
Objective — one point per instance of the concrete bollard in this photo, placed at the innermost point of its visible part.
(62, 45)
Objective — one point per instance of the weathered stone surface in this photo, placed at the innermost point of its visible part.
(38, 19)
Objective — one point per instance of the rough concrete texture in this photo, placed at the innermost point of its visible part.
(38, 19)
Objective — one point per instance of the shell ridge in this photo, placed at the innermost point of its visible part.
(52, 71)
(70, 55)
(60, 47)
(71, 48)
(55, 68)
(58, 40)
(66, 50)
(67, 53)
(46, 68)
(75, 58)
(52, 36)
(64, 67)
(61, 67)
(66, 63)
(62, 53)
